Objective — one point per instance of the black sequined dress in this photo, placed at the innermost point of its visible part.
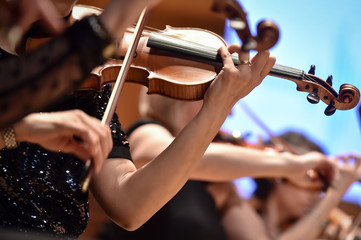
(41, 190)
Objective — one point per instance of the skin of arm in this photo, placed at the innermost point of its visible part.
(130, 196)
(56, 131)
(241, 221)
(226, 162)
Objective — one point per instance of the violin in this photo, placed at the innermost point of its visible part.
(182, 62)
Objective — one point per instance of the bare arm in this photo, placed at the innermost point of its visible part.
(226, 162)
(242, 222)
(310, 226)
(131, 197)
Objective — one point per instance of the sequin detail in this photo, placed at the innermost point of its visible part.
(40, 190)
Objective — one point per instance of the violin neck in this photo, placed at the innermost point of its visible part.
(210, 54)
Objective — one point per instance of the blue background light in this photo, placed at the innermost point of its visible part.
(324, 33)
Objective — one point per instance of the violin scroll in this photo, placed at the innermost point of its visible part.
(318, 89)
(267, 34)
(349, 94)
(347, 98)
(267, 31)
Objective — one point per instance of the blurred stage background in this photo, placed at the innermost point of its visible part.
(324, 33)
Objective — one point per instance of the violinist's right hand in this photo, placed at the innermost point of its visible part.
(56, 131)
(235, 82)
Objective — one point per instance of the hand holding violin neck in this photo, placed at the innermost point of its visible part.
(347, 98)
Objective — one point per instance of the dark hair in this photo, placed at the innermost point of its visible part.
(266, 185)
(300, 140)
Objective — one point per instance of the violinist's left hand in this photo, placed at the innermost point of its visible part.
(119, 14)
(237, 82)
(312, 170)
(16, 18)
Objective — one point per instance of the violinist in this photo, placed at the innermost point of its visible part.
(280, 209)
(58, 66)
(192, 213)
(40, 190)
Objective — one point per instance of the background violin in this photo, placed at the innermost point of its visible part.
(267, 31)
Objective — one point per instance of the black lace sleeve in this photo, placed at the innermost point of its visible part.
(36, 80)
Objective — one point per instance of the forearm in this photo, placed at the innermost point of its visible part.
(311, 225)
(226, 162)
(145, 191)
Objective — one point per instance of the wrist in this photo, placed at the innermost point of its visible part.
(290, 163)
(21, 128)
(339, 187)
(334, 193)
(9, 138)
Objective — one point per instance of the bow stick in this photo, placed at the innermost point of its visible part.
(114, 98)
(281, 143)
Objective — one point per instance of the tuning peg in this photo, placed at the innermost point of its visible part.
(312, 69)
(249, 44)
(237, 24)
(329, 80)
(331, 109)
(313, 97)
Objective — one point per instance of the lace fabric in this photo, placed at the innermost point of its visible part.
(31, 82)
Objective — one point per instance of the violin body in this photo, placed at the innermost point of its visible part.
(162, 72)
(184, 78)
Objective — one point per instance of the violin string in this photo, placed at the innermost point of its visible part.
(152, 29)
(280, 67)
(284, 68)
(306, 77)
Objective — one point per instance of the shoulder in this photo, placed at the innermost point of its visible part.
(151, 132)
